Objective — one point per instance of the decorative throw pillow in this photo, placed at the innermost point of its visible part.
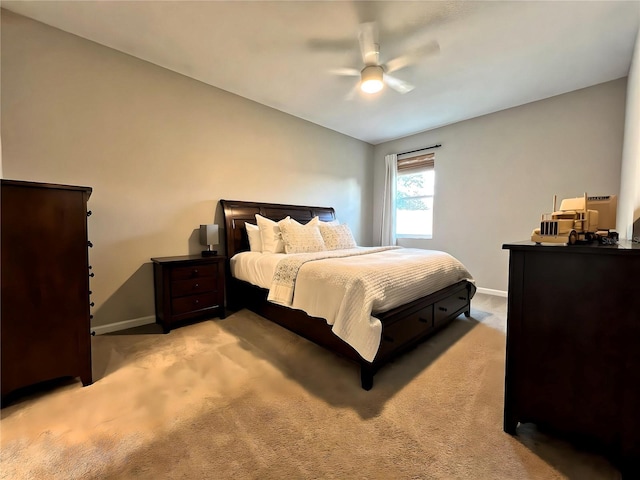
(270, 234)
(301, 238)
(337, 237)
(255, 242)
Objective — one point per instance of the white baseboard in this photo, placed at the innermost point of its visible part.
(491, 291)
(137, 322)
(114, 327)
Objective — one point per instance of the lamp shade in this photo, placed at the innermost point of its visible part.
(209, 234)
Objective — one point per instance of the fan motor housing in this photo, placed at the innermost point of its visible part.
(371, 76)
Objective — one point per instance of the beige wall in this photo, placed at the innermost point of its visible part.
(159, 150)
(496, 174)
(629, 208)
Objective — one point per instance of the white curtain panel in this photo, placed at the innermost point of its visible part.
(388, 230)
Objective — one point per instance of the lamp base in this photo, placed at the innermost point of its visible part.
(209, 253)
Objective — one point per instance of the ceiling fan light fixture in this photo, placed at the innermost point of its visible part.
(371, 79)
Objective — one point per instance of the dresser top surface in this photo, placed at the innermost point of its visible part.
(56, 186)
(622, 247)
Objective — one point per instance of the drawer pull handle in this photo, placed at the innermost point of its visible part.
(196, 286)
(91, 304)
(423, 320)
(463, 298)
(197, 302)
(89, 213)
(442, 309)
(92, 274)
(195, 271)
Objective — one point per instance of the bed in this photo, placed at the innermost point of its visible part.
(403, 326)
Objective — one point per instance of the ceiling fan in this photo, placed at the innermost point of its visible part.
(375, 75)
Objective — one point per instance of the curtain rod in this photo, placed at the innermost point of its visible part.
(421, 149)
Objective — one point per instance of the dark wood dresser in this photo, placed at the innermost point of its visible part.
(45, 325)
(188, 288)
(573, 345)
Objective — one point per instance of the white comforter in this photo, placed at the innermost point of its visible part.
(350, 286)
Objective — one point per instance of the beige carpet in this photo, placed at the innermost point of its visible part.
(243, 398)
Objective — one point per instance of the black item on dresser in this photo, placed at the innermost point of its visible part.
(573, 345)
(45, 325)
(187, 288)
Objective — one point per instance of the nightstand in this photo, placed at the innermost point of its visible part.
(189, 287)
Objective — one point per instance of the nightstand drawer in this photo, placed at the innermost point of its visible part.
(193, 303)
(194, 271)
(188, 288)
(180, 288)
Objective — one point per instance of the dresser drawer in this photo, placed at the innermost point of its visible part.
(180, 288)
(444, 308)
(193, 303)
(194, 271)
(406, 329)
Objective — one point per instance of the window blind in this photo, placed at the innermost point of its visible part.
(417, 162)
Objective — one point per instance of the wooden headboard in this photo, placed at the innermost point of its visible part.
(236, 213)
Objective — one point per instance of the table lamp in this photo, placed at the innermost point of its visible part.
(209, 236)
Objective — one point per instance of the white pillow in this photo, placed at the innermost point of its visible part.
(337, 237)
(270, 234)
(301, 238)
(255, 241)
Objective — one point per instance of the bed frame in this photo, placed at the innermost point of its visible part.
(402, 327)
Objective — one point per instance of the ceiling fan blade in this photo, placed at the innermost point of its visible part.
(345, 72)
(352, 93)
(398, 85)
(368, 38)
(431, 48)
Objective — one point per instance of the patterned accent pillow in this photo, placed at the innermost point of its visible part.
(301, 238)
(337, 237)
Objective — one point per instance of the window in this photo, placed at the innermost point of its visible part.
(414, 196)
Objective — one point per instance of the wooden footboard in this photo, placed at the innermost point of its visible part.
(403, 327)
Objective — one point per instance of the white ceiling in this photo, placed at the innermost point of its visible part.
(493, 55)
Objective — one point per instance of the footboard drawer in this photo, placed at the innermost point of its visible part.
(407, 329)
(443, 309)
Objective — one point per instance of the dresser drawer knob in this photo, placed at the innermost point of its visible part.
(90, 245)
(92, 274)
(91, 304)
(195, 271)
(89, 213)
(197, 302)
(196, 286)
(462, 298)
(423, 320)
